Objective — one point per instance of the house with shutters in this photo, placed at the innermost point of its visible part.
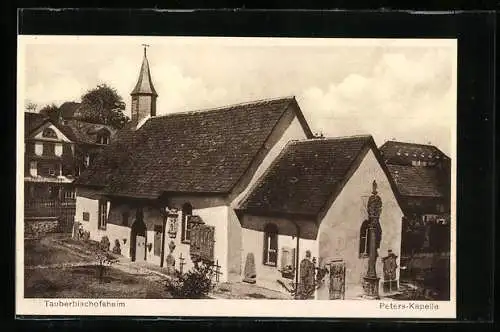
(314, 197)
(55, 154)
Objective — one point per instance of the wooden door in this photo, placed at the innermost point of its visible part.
(140, 248)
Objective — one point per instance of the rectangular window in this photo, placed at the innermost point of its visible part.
(158, 229)
(86, 216)
(271, 245)
(103, 214)
(49, 149)
(33, 168)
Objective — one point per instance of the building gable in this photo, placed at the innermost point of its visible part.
(39, 133)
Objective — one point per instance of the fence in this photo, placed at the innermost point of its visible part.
(63, 209)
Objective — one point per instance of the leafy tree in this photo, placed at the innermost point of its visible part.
(30, 106)
(103, 105)
(52, 111)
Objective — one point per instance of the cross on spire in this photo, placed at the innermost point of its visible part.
(145, 46)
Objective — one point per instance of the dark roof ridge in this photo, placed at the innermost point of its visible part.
(202, 110)
(409, 143)
(330, 139)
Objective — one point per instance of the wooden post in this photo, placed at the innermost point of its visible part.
(162, 256)
(297, 260)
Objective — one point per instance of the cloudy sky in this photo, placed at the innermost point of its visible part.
(404, 90)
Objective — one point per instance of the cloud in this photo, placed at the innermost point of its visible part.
(407, 98)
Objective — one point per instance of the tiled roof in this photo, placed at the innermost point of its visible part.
(419, 181)
(306, 175)
(403, 153)
(83, 132)
(68, 109)
(203, 151)
(33, 121)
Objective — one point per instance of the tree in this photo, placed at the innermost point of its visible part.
(52, 111)
(30, 106)
(103, 105)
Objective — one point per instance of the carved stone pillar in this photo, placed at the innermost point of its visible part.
(371, 280)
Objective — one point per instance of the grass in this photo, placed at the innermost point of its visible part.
(79, 281)
(82, 282)
(37, 252)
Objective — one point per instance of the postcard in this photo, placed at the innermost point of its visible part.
(238, 177)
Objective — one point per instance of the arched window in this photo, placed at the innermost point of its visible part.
(270, 245)
(49, 133)
(187, 211)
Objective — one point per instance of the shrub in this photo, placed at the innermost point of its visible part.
(116, 249)
(103, 261)
(105, 244)
(194, 284)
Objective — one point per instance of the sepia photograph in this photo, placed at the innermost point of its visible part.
(236, 170)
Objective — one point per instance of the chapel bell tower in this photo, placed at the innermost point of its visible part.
(144, 94)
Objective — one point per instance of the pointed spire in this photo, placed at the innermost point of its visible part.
(144, 83)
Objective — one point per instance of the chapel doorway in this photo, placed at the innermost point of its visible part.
(138, 238)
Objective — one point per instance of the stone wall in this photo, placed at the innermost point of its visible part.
(36, 227)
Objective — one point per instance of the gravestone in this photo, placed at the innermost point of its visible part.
(389, 267)
(250, 273)
(307, 274)
(170, 260)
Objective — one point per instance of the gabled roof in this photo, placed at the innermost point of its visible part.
(419, 181)
(83, 132)
(33, 121)
(69, 109)
(307, 175)
(197, 152)
(144, 83)
(402, 153)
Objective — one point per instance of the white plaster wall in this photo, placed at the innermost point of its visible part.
(253, 242)
(293, 132)
(340, 228)
(234, 251)
(59, 134)
(58, 149)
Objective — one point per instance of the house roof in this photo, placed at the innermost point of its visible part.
(197, 152)
(33, 121)
(306, 175)
(83, 132)
(144, 83)
(68, 109)
(419, 181)
(395, 152)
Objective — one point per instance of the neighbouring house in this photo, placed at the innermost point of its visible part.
(89, 139)
(163, 175)
(422, 174)
(48, 172)
(55, 153)
(317, 191)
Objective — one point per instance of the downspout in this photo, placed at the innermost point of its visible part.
(297, 258)
(163, 241)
